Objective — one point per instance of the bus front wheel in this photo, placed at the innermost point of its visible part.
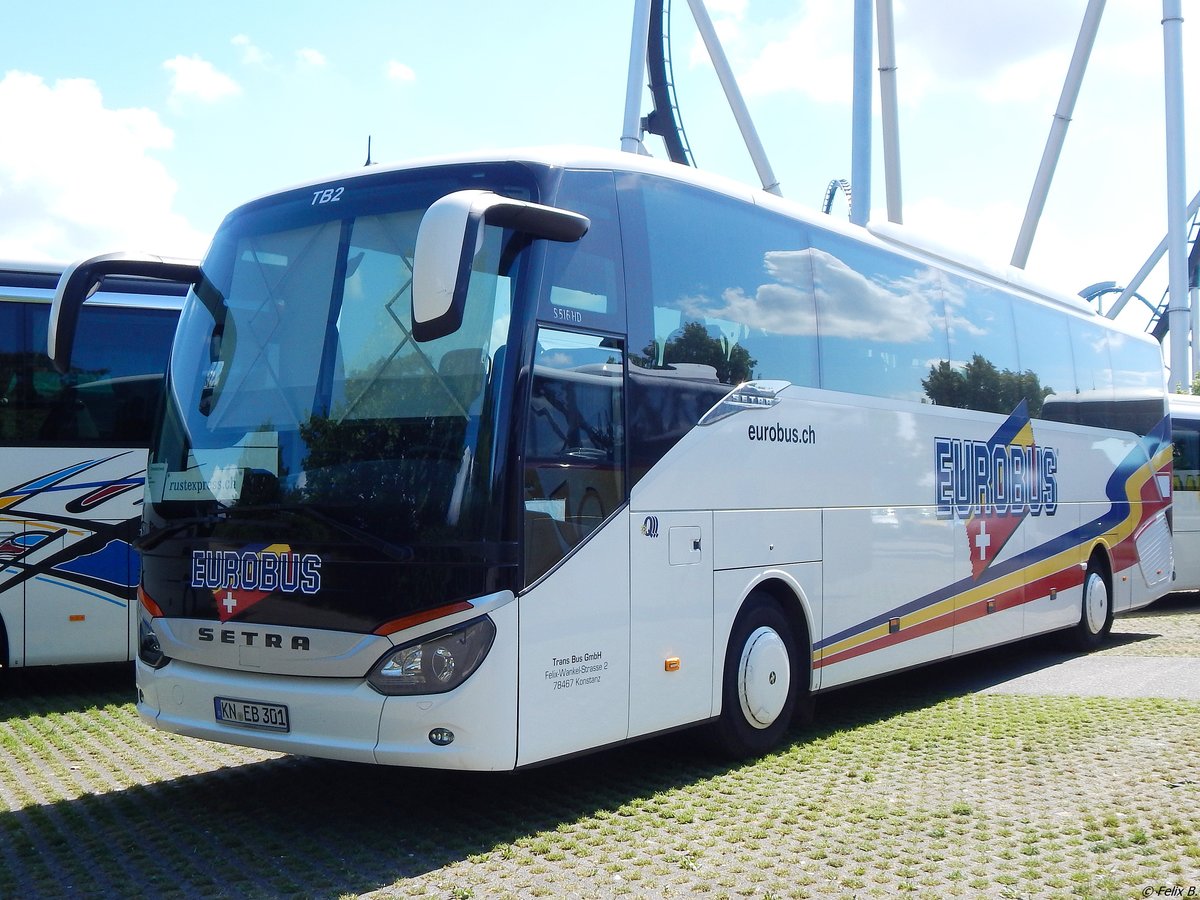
(1096, 611)
(761, 681)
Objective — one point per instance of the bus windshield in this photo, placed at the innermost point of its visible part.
(296, 387)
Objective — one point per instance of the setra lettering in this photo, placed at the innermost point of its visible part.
(208, 635)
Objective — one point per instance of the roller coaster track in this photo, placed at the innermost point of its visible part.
(664, 120)
(838, 184)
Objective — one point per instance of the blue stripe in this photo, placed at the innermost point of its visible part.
(1140, 456)
(105, 597)
(54, 477)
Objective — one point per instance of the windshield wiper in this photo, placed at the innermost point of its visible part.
(156, 536)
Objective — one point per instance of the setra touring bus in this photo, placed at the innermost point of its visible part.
(484, 462)
(73, 464)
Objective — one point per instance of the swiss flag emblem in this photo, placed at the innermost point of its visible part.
(231, 602)
(986, 537)
(248, 586)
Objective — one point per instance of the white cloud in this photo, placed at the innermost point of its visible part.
(1035, 79)
(734, 8)
(197, 79)
(398, 71)
(251, 54)
(1003, 51)
(311, 58)
(726, 17)
(977, 40)
(82, 180)
(812, 57)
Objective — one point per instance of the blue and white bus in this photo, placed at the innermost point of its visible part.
(487, 461)
(73, 463)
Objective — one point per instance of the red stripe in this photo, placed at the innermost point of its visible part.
(1070, 577)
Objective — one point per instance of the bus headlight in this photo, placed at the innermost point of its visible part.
(149, 650)
(437, 664)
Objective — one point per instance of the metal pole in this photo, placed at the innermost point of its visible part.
(757, 154)
(1058, 131)
(1148, 265)
(1178, 319)
(860, 128)
(888, 110)
(631, 132)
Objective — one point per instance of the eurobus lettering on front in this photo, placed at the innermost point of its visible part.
(982, 478)
(260, 570)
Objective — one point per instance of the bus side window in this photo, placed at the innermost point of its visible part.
(574, 444)
(1186, 438)
(1044, 345)
(114, 386)
(15, 385)
(721, 293)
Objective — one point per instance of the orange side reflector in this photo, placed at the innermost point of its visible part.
(671, 664)
(76, 618)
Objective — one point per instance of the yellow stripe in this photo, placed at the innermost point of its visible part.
(1064, 559)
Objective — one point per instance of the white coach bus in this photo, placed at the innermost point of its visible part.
(1185, 506)
(484, 462)
(72, 465)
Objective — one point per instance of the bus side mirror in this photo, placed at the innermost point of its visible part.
(451, 233)
(82, 280)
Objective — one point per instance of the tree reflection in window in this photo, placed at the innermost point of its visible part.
(697, 344)
(981, 386)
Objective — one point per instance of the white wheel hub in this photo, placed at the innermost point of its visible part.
(764, 677)
(1095, 603)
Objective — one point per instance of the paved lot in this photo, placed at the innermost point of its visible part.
(952, 781)
(1154, 653)
(1096, 676)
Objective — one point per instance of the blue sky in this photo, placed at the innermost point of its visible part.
(138, 125)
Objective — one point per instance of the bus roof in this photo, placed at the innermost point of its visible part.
(1188, 404)
(35, 282)
(891, 237)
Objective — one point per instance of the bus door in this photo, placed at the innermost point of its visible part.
(574, 610)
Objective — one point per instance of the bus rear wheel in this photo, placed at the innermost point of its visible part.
(760, 683)
(1096, 610)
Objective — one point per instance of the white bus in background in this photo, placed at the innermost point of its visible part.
(1185, 512)
(483, 462)
(72, 465)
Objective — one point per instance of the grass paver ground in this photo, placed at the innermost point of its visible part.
(913, 785)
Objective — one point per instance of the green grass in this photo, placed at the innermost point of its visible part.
(907, 786)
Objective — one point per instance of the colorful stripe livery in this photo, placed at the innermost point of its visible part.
(1135, 498)
(44, 514)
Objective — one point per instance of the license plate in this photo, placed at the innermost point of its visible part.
(251, 713)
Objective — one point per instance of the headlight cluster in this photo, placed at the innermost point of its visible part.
(437, 664)
(149, 650)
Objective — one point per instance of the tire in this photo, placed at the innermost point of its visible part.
(761, 681)
(1095, 612)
